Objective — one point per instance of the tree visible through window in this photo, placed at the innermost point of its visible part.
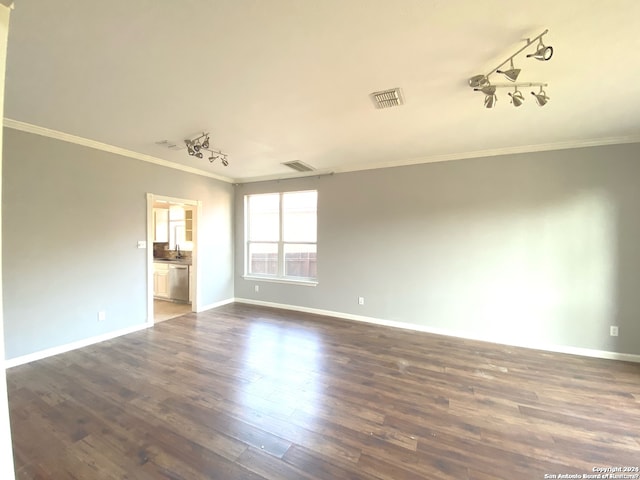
(282, 235)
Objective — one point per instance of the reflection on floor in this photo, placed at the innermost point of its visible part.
(165, 310)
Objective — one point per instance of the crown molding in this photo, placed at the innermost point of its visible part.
(492, 152)
(85, 142)
(495, 152)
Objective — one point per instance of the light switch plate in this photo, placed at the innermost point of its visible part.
(142, 244)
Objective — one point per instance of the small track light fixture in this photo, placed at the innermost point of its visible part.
(511, 74)
(490, 101)
(196, 145)
(541, 97)
(516, 97)
(478, 81)
(543, 53)
(483, 83)
(490, 98)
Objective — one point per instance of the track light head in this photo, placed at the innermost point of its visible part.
(490, 101)
(225, 162)
(487, 90)
(511, 74)
(541, 97)
(478, 81)
(516, 98)
(205, 144)
(199, 155)
(542, 53)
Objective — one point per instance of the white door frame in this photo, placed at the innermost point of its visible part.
(197, 204)
(6, 450)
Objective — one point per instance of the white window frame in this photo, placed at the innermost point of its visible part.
(280, 276)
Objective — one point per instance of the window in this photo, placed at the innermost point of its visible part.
(281, 235)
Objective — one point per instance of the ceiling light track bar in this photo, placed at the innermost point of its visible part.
(516, 85)
(543, 53)
(529, 43)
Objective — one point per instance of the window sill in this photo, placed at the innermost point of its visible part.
(306, 283)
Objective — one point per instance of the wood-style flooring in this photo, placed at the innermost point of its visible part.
(252, 393)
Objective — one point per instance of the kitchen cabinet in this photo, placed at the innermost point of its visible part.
(161, 280)
(161, 224)
(188, 225)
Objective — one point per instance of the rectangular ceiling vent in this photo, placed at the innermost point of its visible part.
(170, 145)
(298, 166)
(387, 98)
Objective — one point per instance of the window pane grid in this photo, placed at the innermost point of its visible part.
(281, 233)
(263, 258)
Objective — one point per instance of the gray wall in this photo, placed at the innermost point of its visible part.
(72, 217)
(535, 249)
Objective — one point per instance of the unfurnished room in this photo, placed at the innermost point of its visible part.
(290, 239)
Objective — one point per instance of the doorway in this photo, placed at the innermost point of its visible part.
(172, 256)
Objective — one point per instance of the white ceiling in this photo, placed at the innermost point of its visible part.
(282, 80)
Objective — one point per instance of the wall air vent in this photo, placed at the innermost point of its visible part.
(298, 166)
(387, 98)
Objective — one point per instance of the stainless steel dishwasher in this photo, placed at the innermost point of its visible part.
(179, 283)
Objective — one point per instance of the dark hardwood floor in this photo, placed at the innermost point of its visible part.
(244, 392)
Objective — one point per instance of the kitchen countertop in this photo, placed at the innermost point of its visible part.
(179, 261)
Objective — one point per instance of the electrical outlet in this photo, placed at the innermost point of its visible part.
(257, 287)
(360, 300)
(613, 330)
(102, 315)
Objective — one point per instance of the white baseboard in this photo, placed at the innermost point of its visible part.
(49, 352)
(585, 352)
(215, 305)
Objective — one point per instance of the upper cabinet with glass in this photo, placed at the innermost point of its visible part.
(174, 225)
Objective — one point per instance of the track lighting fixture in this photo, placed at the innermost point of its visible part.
(490, 98)
(516, 97)
(541, 97)
(543, 53)
(490, 101)
(201, 142)
(478, 81)
(483, 83)
(511, 74)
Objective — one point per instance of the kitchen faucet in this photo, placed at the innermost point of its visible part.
(178, 254)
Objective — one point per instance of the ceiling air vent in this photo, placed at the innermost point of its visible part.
(387, 98)
(170, 145)
(298, 166)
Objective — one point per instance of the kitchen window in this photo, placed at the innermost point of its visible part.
(281, 236)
